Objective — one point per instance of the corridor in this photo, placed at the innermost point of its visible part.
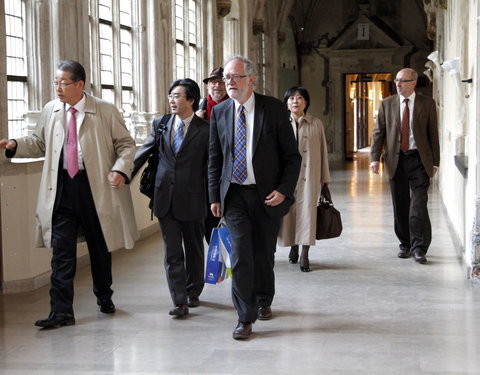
(361, 310)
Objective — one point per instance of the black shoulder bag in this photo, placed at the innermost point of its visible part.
(147, 180)
(329, 220)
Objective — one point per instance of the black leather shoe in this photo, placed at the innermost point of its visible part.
(419, 257)
(242, 331)
(56, 320)
(293, 255)
(106, 306)
(193, 301)
(404, 253)
(264, 313)
(179, 311)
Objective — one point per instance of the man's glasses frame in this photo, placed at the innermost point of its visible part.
(175, 96)
(63, 84)
(403, 80)
(235, 77)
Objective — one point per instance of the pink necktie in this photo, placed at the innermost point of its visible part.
(72, 152)
(404, 139)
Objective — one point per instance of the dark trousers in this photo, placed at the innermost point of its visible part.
(75, 209)
(409, 188)
(254, 239)
(185, 270)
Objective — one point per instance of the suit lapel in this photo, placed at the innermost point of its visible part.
(193, 130)
(229, 120)
(168, 143)
(417, 111)
(396, 112)
(257, 122)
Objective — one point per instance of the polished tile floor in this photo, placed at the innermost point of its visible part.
(361, 310)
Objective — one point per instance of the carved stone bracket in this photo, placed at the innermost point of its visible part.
(223, 7)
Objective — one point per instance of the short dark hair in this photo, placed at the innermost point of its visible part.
(191, 90)
(302, 91)
(74, 68)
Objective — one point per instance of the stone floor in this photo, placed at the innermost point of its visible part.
(361, 310)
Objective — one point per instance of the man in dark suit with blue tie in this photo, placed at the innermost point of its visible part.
(253, 170)
(179, 200)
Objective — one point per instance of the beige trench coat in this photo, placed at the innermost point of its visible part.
(106, 145)
(299, 225)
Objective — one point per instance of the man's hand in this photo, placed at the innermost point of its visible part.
(215, 208)
(116, 180)
(374, 166)
(8, 144)
(274, 198)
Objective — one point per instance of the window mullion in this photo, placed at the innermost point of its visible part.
(117, 72)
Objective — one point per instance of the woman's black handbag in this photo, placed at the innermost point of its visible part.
(329, 221)
(147, 180)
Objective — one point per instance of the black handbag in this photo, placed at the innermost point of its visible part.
(329, 220)
(147, 180)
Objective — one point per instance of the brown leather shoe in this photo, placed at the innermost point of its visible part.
(419, 257)
(193, 301)
(404, 253)
(264, 313)
(179, 311)
(242, 331)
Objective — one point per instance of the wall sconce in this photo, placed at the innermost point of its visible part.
(430, 65)
(434, 57)
(429, 75)
(453, 68)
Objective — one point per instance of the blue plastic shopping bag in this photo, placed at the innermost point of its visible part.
(218, 266)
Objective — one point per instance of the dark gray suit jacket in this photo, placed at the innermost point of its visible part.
(180, 182)
(276, 161)
(387, 132)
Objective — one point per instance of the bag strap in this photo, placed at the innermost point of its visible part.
(325, 194)
(159, 124)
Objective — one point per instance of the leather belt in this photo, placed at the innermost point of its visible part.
(250, 186)
(410, 152)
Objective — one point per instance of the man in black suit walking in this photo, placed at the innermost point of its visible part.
(179, 200)
(253, 170)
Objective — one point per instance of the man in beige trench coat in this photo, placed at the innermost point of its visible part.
(88, 160)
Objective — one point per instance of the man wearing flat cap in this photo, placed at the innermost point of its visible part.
(217, 93)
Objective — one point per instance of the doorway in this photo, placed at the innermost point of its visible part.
(363, 95)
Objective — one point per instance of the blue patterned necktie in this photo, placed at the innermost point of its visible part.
(178, 137)
(240, 148)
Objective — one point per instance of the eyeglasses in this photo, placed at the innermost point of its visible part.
(235, 77)
(62, 84)
(216, 81)
(175, 96)
(403, 80)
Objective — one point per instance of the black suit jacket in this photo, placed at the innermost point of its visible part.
(180, 181)
(275, 157)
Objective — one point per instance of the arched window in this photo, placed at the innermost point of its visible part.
(111, 51)
(16, 68)
(187, 49)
